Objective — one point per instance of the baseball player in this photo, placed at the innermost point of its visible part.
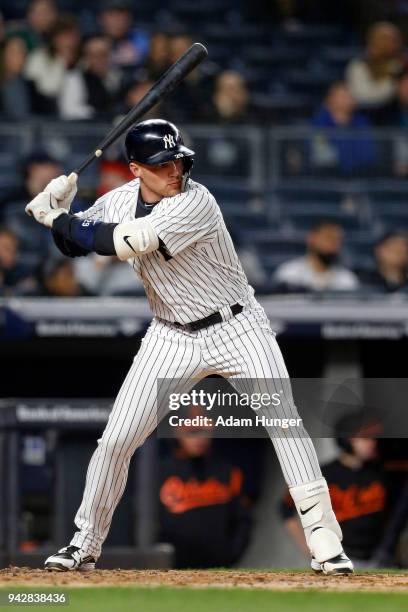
(206, 321)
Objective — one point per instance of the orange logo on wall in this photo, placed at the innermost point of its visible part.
(179, 496)
(357, 501)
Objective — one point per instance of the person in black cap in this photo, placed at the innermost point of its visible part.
(57, 278)
(391, 257)
(357, 489)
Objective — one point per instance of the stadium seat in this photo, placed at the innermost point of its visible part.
(273, 248)
(243, 222)
(299, 219)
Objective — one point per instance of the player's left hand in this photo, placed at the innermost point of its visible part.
(44, 209)
(63, 189)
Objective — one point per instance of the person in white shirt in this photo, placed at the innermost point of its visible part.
(90, 89)
(372, 78)
(319, 269)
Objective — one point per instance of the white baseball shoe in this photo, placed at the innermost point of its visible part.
(70, 558)
(328, 555)
(340, 564)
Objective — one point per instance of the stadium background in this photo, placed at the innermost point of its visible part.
(274, 174)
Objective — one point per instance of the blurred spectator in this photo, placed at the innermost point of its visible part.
(157, 60)
(134, 92)
(15, 90)
(398, 117)
(202, 510)
(393, 548)
(230, 100)
(112, 174)
(130, 45)
(372, 78)
(2, 29)
(188, 102)
(356, 484)
(57, 278)
(8, 259)
(15, 278)
(342, 153)
(107, 276)
(90, 90)
(319, 269)
(391, 271)
(41, 16)
(46, 67)
(39, 169)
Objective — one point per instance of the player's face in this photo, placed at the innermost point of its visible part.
(327, 239)
(158, 182)
(195, 445)
(364, 448)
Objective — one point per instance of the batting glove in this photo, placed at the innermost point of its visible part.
(63, 189)
(44, 209)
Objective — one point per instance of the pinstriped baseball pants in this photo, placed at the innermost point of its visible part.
(243, 347)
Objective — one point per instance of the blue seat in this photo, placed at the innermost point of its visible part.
(309, 36)
(283, 107)
(385, 197)
(242, 222)
(224, 154)
(274, 248)
(301, 220)
(337, 57)
(305, 82)
(293, 195)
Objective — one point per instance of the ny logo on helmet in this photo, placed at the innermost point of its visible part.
(169, 141)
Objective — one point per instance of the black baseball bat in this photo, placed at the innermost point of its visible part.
(166, 84)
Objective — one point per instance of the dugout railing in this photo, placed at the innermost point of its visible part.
(251, 156)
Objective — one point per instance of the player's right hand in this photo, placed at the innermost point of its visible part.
(63, 189)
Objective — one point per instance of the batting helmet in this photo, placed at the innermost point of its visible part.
(155, 142)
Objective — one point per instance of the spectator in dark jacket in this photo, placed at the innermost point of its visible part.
(157, 60)
(15, 278)
(391, 271)
(16, 95)
(57, 278)
(230, 99)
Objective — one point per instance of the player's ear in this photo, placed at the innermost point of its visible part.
(135, 169)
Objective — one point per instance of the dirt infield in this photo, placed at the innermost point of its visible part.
(279, 581)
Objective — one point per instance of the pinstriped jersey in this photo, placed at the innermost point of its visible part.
(197, 271)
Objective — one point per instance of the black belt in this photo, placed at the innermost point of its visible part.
(212, 319)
